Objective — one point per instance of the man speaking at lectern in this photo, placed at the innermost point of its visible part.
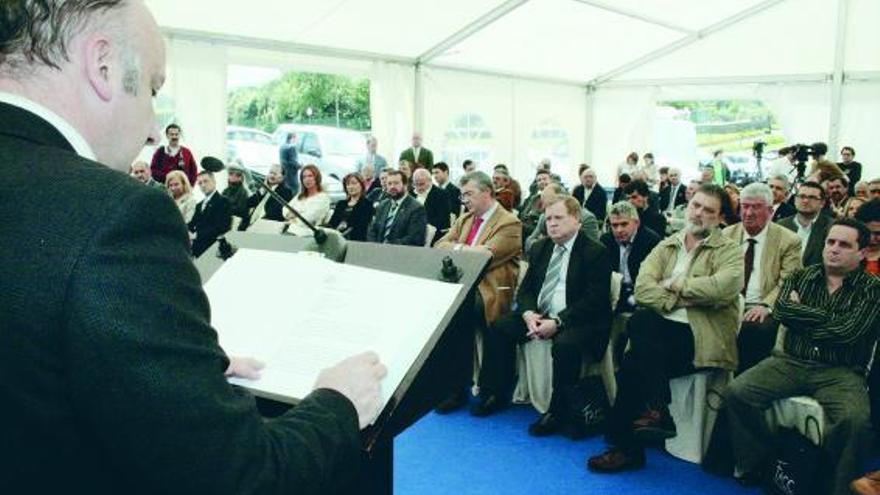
(112, 377)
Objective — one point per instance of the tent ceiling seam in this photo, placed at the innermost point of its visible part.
(637, 16)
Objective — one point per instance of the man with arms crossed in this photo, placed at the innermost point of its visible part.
(119, 381)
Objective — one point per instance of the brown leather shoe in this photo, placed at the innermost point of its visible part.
(615, 460)
(654, 425)
(868, 484)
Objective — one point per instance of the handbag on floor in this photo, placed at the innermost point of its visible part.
(589, 401)
(799, 467)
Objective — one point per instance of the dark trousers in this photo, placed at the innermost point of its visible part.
(839, 390)
(498, 369)
(660, 349)
(755, 341)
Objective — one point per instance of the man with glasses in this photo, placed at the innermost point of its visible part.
(779, 186)
(874, 189)
(809, 223)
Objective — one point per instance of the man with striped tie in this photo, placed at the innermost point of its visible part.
(400, 219)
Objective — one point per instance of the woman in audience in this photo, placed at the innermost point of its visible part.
(180, 191)
(352, 217)
(630, 165)
(852, 205)
(312, 202)
(731, 214)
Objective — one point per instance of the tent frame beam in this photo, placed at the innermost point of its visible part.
(686, 41)
(466, 32)
(820, 78)
(838, 74)
(636, 16)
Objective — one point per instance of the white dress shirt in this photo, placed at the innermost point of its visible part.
(753, 291)
(557, 301)
(804, 232)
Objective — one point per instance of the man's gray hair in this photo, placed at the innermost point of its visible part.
(757, 190)
(422, 172)
(674, 170)
(624, 209)
(781, 177)
(480, 179)
(556, 187)
(37, 32)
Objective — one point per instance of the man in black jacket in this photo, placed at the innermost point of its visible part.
(781, 207)
(119, 382)
(638, 194)
(628, 244)
(810, 223)
(434, 200)
(213, 215)
(672, 194)
(564, 297)
(591, 195)
(400, 219)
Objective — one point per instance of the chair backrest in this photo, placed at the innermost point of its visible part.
(616, 283)
(430, 231)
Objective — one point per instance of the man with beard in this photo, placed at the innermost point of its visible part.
(173, 157)
(688, 293)
(237, 193)
(838, 192)
(400, 219)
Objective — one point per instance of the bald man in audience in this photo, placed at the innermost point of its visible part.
(434, 200)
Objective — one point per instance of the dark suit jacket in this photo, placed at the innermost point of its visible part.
(113, 377)
(357, 223)
(587, 290)
(210, 222)
(665, 195)
(654, 220)
(425, 158)
(785, 210)
(453, 194)
(437, 211)
(597, 203)
(646, 239)
(409, 228)
(816, 242)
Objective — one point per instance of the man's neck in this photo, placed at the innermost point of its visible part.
(806, 218)
(754, 231)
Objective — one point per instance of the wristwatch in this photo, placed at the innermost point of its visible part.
(559, 324)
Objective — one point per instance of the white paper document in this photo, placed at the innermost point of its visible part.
(299, 314)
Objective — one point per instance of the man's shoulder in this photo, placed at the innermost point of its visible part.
(505, 217)
(785, 235)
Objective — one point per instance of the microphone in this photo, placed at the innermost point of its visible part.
(320, 235)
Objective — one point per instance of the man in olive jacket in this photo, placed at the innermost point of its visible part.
(688, 289)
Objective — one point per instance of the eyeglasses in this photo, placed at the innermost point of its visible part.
(808, 196)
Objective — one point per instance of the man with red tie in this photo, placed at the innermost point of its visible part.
(489, 228)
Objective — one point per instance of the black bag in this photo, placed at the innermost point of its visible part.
(800, 467)
(588, 400)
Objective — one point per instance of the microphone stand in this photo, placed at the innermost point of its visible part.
(320, 235)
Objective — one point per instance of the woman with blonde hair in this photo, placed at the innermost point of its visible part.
(312, 202)
(177, 184)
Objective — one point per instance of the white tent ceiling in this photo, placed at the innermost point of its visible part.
(578, 41)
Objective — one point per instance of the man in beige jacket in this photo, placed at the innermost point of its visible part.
(688, 293)
(772, 253)
(486, 227)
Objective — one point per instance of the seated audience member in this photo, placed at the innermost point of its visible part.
(629, 165)
(503, 193)
(780, 187)
(311, 202)
(512, 184)
(434, 200)
(730, 211)
(831, 318)
(809, 223)
(649, 168)
(237, 193)
(589, 223)
(860, 190)
(531, 210)
(837, 190)
(378, 194)
(352, 217)
(399, 219)
(869, 214)
(687, 290)
(653, 196)
(628, 244)
(406, 168)
(564, 298)
(678, 219)
(673, 194)
(771, 253)
(141, 171)
(623, 180)
(591, 195)
(213, 215)
(468, 166)
(180, 191)
(850, 167)
(707, 175)
(265, 206)
(637, 193)
(489, 228)
(874, 189)
(852, 205)
(664, 178)
(545, 165)
(368, 174)
(453, 193)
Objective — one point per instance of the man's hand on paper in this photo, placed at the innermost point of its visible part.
(358, 378)
(244, 367)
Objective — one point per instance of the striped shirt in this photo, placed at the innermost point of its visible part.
(838, 329)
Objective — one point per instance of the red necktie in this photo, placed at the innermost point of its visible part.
(472, 236)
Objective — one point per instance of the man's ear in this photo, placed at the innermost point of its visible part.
(98, 66)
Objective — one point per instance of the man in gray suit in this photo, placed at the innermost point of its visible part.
(119, 378)
(809, 223)
(400, 219)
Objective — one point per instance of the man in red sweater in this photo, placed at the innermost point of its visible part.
(173, 156)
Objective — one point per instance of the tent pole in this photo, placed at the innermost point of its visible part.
(838, 76)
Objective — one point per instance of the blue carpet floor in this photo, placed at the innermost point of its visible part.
(449, 454)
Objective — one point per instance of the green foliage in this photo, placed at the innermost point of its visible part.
(333, 99)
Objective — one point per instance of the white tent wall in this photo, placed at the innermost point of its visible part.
(860, 121)
(392, 107)
(623, 121)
